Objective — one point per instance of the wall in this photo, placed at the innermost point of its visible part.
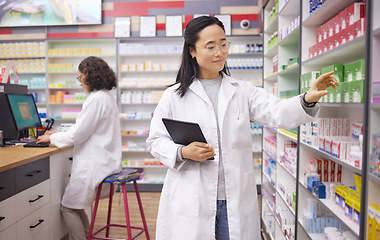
(238, 9)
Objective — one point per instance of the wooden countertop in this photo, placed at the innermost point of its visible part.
(15, 156)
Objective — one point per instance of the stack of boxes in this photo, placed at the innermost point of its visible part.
(22, 49)
(348, 199)
(141, 49)
(287, 222)
(323, 178)
(128, 97)
(315, 4)
(351, 82)
(65, 97)
(307, 79)
(272, 14)
(374, 161)
(28, 65)
(284, 32)
(373, 227)
(60, 67)
(74, 51)
(333, 136)
(141, 82)
(288, 94)
(316, 218)
(346, 26)
(273, 40)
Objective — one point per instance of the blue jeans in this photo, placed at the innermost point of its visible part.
(221, 221)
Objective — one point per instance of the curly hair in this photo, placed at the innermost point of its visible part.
(97, 74)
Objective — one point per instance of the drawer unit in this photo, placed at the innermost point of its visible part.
(7, 184)
(9, 233)
(7, 213)
(31, 174)
(35, 225)
(33, 198)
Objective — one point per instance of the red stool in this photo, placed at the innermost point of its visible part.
(121, 179)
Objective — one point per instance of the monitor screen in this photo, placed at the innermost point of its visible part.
(24, 111)
(7, 122)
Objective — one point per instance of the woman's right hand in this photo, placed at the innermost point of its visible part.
(198, 151)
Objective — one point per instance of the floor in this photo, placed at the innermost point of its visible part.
(150, 202)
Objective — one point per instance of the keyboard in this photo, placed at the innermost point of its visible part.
(35, 144)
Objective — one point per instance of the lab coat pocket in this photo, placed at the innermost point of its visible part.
(185, 193)
(249, 192)
(242, 133)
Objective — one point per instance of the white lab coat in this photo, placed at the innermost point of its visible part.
(188, 200)
(96, 137)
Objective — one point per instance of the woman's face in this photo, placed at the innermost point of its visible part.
(210, 51)
(82, 81)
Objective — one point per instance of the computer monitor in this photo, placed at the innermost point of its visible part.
(7, 122)
(24, 111)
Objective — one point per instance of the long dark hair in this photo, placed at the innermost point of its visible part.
(189, 66)
(98, 75)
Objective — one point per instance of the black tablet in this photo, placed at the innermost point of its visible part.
(184, 133)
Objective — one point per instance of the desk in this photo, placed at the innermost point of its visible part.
(32, 183)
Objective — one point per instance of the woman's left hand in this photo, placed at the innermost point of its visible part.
(319, 86)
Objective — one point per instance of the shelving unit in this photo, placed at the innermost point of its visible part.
(367, 112)
(63, 59)
(279, 78)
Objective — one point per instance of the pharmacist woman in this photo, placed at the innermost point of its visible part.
(205, 199)
(96, 137)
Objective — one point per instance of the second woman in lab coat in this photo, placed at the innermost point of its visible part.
(216, 199)
(96, 137)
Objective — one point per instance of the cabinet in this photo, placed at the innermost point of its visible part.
(32, 211)
(332, 156)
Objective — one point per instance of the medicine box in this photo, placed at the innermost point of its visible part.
(356, 213)
(338, 196)
(337, 94)
(358, 70)
(372, 224)
(354, 12)
(348, 72)
(349, 206)
(345, 92)
(356, 91)
(338, 71)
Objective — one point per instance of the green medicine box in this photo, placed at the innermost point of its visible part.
(344, 92)
(330, 95)
(356, 91)
(292, 61)
(308, 78)
(337, 93)
(338, 71)
(349, 72)
(358, 70)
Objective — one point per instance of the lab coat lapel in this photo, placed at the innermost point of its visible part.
(198, 89)
(227, 91)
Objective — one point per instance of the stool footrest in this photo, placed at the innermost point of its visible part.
(117, 225)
